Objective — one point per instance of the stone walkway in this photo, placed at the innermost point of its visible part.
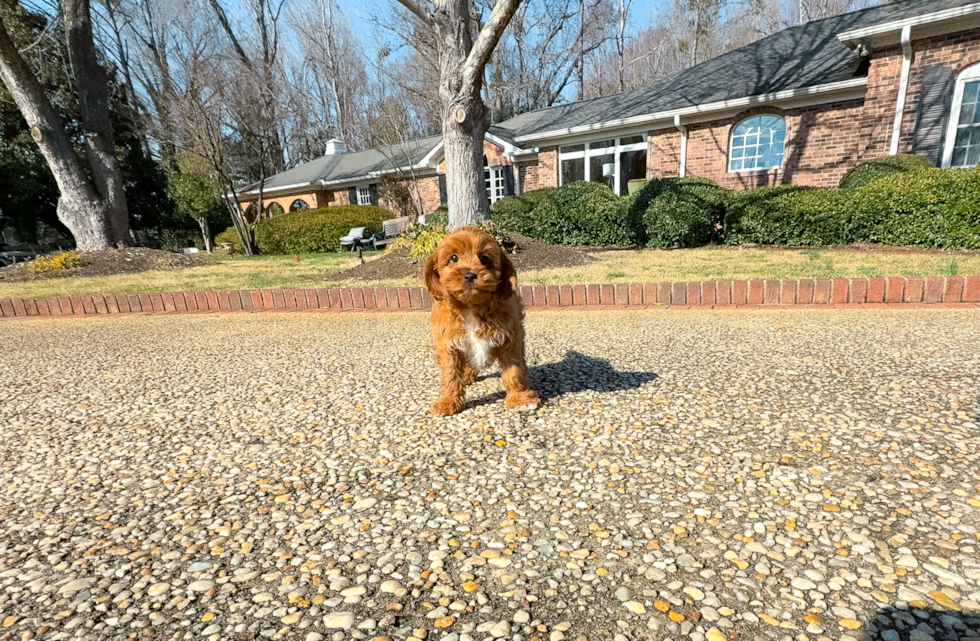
(788, 475)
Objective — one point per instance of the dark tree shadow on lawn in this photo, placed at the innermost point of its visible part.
(912, 624)
(576, 372)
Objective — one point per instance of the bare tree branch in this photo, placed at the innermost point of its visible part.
(487, 39)
(417, 9)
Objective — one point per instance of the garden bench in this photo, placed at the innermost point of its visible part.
(390, 230)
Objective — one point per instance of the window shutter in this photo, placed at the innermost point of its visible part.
(443, 193)
(933, 113)
(352, 195)
(373, 188)
(508, 180)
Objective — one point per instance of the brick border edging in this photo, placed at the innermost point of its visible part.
(737, 294)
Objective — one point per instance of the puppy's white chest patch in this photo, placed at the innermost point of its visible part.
(477, 343)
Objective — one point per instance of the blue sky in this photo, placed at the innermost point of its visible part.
(361, 12)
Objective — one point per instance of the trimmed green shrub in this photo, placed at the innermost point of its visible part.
(316, 230)
(229, 235)
(439, 218)
(512, 212)
(579, 213)
(933, 207)
(791, 215)
(868, 172)
(681, 212)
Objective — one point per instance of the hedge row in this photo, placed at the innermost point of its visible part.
(931, 207)
(310, 231)
(895, 201)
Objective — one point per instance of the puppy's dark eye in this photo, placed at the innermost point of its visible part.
(454, 258)
(486, 261)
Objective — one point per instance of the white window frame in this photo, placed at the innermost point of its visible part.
(495, 183)
(731, 137)
(591, 151)
(364, 194)
(970, 74)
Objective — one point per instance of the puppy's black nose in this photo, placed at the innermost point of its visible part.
(469, 277)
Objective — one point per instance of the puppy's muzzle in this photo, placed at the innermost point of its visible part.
(469, 278)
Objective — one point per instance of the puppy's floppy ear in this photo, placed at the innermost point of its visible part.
(507, 286)
(430, 274)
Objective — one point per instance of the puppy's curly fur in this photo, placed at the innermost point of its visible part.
(477, 319)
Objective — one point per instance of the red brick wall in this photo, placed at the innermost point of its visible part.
(822, 142)
(429, 193)
(540, 173)
(956, 51)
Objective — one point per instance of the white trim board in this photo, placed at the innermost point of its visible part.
(943, 21)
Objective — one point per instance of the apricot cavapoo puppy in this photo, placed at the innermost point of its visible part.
(477, 318)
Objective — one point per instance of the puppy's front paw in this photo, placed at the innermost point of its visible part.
(446, 406)
(523, 401)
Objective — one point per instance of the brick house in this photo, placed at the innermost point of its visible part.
(801, 106)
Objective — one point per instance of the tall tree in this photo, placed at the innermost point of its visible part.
(92, 203)
(464, 48)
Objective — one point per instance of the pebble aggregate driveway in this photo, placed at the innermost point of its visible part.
(792, 475)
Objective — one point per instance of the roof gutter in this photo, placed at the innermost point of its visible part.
(903, 88)
(374, 174)
(276, 190)
(821, 93)
(952, 18)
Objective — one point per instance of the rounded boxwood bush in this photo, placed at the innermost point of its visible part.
(579, 213)
(316, 230)
(868, 172)
(681, 212)
(513, 212)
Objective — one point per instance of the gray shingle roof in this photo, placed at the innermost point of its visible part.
(353, 166)
(795, 58)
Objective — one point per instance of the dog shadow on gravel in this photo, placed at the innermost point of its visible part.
(915, 624)
(576, 372)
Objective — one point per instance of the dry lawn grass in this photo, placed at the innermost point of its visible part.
(256, 272)
(716, 263)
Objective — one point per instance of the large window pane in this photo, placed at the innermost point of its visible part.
(572, 170)
(757, 143)
(602, 144)
(632, 166)
(966, 150)
(602, 169)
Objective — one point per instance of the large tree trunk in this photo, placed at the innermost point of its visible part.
(465, 116)
(93, 102)
(80, 207)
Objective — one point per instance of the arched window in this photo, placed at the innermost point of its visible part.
(962, 147)
(251, 211)
(275, 209)
(757, 143)
(299, 205)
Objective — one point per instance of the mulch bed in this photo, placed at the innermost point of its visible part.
(529, 254)
(109, 262)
